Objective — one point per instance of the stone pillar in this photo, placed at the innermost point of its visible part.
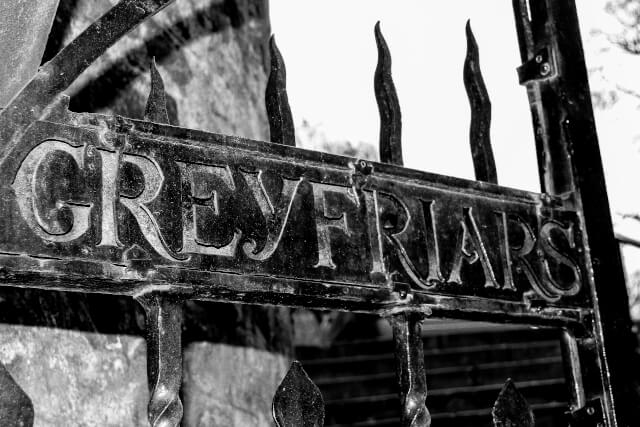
(81, 358)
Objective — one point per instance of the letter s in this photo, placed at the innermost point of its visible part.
(552, 251)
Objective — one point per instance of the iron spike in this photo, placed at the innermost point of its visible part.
(388, 105)
(276, 100)
(479, 132)
(511, 408)
(156, 110)
(16, 408)
(298, 401)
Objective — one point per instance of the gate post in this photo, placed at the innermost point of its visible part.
(570, 168)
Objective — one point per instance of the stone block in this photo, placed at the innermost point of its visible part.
(86, 379)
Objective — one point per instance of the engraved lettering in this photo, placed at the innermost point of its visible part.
(470, 236)
(433, 255)
(276, 215)
(518, 254)
(205, 182)
(153, 181)
(326, 220)
(25, 184)
(505, 251)
(375, 233)
(552, 251)
(109, 225)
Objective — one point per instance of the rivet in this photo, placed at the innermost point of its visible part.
(590, 410)
(538, 59)
(545, 69)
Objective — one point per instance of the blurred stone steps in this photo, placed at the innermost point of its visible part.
(465, 355)
(465, 372)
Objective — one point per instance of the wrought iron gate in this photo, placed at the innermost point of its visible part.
(386, 240)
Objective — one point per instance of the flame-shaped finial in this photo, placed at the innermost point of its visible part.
(276, 100)
(479, 132)
(156, 110)
(388, 105)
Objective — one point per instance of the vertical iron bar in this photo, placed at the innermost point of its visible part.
(573, 369)
(480, 128)
(388, 104)
(276, 100)
(406, 323)
(410, 369)
(570, 165)
(164, 358)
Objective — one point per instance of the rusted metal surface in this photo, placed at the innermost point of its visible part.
(511, 408)
(21, 51)
(407, 336)
(298, 401)
(480, 128)
(16, 408)
(277, 101)
(388, 104)
(164, 358)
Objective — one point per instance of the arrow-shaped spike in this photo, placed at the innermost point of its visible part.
(298, 401)
(16, 408)
(388, 105)
(156, 110)
(479, 133)
(277, 102)
(511, 408)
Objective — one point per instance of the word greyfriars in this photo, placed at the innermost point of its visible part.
(124, 198)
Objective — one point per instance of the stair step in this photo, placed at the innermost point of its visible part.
(444, 341)
(444, 377)
(318, 368)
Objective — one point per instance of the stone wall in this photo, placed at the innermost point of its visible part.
(81, 358)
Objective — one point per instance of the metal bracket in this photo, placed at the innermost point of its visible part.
(590, 415)
(541, 66)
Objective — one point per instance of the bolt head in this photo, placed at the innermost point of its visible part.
(545, 69)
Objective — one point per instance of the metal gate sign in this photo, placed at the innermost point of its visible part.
(98, 200)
